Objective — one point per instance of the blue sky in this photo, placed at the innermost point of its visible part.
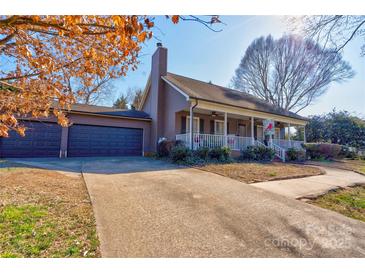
(197, 52)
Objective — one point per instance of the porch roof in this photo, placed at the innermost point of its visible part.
(196, 89)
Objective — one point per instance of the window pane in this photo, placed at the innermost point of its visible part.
(219, 127)
(195, 124)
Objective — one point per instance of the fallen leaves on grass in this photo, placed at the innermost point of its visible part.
(346, 164)
(45, 214)
(259, 172)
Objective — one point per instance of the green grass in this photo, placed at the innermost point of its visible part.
(24, 232)
(31, 231)
(349, 202)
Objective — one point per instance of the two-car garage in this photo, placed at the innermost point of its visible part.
(86, 140)
(90, 135)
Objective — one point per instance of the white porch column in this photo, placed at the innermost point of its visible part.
(225, 128)
(289, 132)
(270, 139)
(252, 130)
(304, 137)
(191, 127)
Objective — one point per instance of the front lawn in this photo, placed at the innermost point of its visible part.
(259, 172)
(45, 214)
(349, 202)
(347, 164)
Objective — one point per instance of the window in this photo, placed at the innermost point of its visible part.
(277, 133)
(218, 127)
(242, 130)
(195, 124)
(260, 132)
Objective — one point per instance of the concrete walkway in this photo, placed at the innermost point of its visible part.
(315, 185)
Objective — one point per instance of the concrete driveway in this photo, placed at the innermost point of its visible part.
(148, 208)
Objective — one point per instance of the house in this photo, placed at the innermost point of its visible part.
(219, 116)
(171, 105)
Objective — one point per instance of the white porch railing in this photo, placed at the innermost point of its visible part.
(288, 144)
(213, 140)
(237, 142)
(259, 143)
(279, 151)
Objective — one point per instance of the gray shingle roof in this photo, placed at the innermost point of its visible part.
(102, 110)
(222, 95)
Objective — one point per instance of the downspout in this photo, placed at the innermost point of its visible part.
(192, 107)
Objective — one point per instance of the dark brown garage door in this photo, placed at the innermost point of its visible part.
(87, 140)
(41, 140)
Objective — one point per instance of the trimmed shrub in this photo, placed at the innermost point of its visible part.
(220, 153)
(323, 150)
(179, 153)
(202, 153)
(293, 154)
(183, 155)
(164, 148)
(194, 161)
(258, 153)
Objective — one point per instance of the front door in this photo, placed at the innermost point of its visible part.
(242, 130)
(260, 133)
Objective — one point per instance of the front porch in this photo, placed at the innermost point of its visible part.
(233, 142)
(217, 129)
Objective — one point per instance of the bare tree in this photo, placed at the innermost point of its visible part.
(289, 72)
(335, 31)
(137, 97)
(99, 90)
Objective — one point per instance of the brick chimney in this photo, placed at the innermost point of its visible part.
(159, 68)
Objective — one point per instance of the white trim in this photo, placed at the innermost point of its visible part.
(263, 135)
(253, 129)
(188, 120)
(238, 130)
(176, 88)
(145, 93)
(215, 127)
(277, 129)
(143, 142)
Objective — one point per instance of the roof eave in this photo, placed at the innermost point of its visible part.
(269, 112)
(104, 115)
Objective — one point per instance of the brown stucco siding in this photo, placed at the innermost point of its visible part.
(147, 103)
(156, 96)
(173, 102)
